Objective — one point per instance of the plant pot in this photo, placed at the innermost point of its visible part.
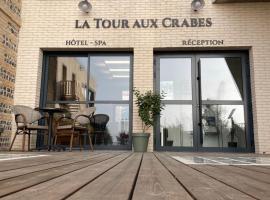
(232, 144)
(140, 141)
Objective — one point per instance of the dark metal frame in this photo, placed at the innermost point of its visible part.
(196, 103)
(88, 55)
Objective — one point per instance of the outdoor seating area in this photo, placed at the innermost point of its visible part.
(118, 175)
(72, 125)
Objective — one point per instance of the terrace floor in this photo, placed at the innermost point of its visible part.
(126, 175)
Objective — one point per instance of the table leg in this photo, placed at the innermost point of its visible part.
(50, 131)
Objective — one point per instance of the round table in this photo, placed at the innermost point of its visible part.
(51, 112)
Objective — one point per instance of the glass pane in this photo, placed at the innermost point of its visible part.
(109, 78)
(223, 126)
(175, 78)
(117, 128)
(176, 126)
(221, 79)
(67, 79)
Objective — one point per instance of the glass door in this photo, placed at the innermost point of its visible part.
(206, 103)
(221, 99)
(176, 125)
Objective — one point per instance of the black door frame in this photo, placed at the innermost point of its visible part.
(88, 55)
(196, 103)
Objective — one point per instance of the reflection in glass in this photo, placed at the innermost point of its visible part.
(67, 79)
(176, 126)
(117, 129)
(221, 79)
(223, 126)
(109, 77)
(175, 78)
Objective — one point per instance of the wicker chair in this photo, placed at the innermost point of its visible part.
(75, 125)
(99, 123)
(26, 120)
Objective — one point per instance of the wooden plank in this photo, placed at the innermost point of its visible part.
(20, 163)
(50, 158)
(256, 169)
(155, 182)
(115, 184)
(242, 182)
(27, 170)
(200, 185)
(22, 182)
(63, 186)
(264, 178)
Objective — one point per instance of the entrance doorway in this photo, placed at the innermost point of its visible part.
(207, 102)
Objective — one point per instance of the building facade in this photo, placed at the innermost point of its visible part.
(212, 65)
(10, 22)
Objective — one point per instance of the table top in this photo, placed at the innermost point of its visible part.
(52, 110)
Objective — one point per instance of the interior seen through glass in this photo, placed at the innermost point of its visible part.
(219, 123)
(106, 79)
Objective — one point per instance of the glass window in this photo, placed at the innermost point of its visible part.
(67, 78)
(117, 129)
(221, 79)
(85, 80)
(223, 126)
(175, 78)
(109, 77)
(176, 126)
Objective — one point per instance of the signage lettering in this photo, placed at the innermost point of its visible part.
(74, 42)
(167, 22)
(191, 42)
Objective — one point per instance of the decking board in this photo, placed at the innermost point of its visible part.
(200, 185)
(117, 183)
(28, 162)
(19, 183)
(44, 166)
(126, 175)
(155, 182)
(255, 188)
(66, 185)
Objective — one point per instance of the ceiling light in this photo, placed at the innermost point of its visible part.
(85, 6)
(119, 70)
(119, 76)
(117, 61)
(197, 5)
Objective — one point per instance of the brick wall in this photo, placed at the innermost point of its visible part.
(9, 34)
(48, 24)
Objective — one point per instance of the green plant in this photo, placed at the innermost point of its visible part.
(149, 106)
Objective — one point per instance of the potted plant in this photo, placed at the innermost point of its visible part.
(149, 106)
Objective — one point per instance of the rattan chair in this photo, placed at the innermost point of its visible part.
(26, 120)
(75, 125)
(99, 123)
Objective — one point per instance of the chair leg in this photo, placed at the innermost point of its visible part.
(23, 142)
(13, 140)
(71, 142)
(29, 141)
(55, 140)
(90, 142)
(80, 141)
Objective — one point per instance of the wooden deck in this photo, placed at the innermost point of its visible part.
(127, 175)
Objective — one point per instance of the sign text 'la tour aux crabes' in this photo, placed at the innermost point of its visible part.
(167, 22)
(143, 23)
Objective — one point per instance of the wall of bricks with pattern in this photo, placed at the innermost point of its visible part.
(10, 11)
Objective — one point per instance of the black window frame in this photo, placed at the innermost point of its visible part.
(88, 55)
(247, 98)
